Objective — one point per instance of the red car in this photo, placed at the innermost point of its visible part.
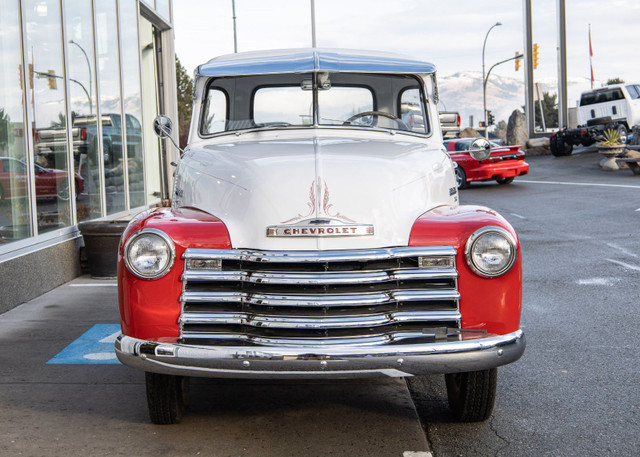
(504, 163)
(49, 181)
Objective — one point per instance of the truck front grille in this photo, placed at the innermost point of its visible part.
(320, 298)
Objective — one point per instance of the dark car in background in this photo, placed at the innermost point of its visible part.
(52, 140)
(503, 165)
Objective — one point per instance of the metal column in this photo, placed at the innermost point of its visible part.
(528, 69)
(563, 109)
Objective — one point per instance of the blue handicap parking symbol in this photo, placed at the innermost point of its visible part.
(94, 347)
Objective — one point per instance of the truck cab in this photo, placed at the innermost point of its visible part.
(315, 232)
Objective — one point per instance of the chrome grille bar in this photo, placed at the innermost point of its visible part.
(318, 278)
(317, 256)
(363, 299)
(319, 298)
(312, 322)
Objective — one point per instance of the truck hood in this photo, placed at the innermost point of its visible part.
(369, 190)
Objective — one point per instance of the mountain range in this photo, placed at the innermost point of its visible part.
(462, 92)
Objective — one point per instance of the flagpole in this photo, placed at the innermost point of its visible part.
(591, 56)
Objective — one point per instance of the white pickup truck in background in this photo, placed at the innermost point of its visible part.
(613, 107)
(450, 122)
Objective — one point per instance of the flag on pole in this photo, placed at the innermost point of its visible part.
(591, 57)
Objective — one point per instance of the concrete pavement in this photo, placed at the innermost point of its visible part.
(100, 409)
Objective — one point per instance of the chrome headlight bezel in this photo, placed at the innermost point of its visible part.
(478, 235)
(147, 232)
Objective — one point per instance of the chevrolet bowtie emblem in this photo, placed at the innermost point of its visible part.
(320, 220)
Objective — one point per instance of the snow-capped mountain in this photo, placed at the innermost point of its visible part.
(462, 92)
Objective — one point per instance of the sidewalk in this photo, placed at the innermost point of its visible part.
(62, 393)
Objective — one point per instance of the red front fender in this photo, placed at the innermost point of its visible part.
(491, 304)
(149, 309)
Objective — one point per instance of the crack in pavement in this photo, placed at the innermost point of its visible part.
(502, 438)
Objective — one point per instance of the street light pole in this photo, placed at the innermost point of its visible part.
(90, 75)
(313, 24)
(484, 81)
(235, 33)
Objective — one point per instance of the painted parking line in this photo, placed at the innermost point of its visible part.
(94, 347)
(589, 184)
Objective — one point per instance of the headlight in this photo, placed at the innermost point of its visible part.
(149, 254)
(491, 251)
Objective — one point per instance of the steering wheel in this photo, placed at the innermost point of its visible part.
(377, 113)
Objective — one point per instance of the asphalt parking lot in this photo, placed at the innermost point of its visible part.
(575, 391)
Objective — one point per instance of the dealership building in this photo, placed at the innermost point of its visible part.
(80, 84)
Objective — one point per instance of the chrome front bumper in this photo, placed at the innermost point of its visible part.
(314, 362)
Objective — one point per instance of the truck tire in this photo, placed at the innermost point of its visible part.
(472, 394)
(624, 135)
(559, 147)
(167, 397)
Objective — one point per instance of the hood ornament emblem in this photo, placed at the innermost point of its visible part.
(320, 220)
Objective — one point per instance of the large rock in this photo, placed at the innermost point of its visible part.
(517, 129)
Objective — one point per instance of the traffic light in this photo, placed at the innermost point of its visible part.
(20, 74)
(517, 61)
(481, 124)
(536, 55)
(490, 118)
(51, 80)
(30, 76)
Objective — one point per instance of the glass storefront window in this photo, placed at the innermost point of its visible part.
(163, 9)
(149, 71)
(110, 103)
(15, 221)
(48, 114)
(132, 99)
(82, 98)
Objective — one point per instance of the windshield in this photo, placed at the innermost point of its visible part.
(393, 102)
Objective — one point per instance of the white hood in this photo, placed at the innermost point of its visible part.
(265, 179)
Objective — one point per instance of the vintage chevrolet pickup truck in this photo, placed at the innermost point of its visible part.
(314, 233)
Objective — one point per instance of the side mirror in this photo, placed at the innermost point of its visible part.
(163, 126)
(480, 149)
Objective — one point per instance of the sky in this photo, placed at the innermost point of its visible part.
(447, 33)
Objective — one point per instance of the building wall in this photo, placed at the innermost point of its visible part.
(75, 142)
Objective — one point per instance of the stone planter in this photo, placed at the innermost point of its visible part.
(610, 153)
(101, 240)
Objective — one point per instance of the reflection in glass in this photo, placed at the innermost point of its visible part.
(215, 112)
(110, 105)
(412, 110)
(162, 7)
(15, 221)
(150, 111)
(82, 98)
(132, 99)
(48, 113)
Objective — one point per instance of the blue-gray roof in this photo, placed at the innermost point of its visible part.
(306, 60)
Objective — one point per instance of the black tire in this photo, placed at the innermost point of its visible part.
(461, 178)
(560, 148)
(503, 181)
(167, 397)
(472, 394)
(624, 135)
